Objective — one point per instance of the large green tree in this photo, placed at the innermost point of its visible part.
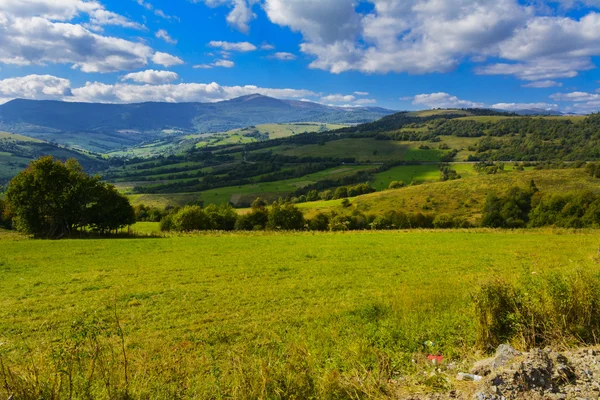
(52, 199)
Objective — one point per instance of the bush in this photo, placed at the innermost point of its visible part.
(443, 221)
(191, 218)
(320, 222)
(396, 185)
(285, 217)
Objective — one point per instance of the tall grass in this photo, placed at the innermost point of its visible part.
(557, 309)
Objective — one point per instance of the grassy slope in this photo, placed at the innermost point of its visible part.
(363, 150)
(241, 314)
(466, 197)
(278, 188)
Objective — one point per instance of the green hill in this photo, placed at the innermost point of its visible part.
(464, 197)
(16, 151)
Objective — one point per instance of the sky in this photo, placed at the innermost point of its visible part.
(397, 54)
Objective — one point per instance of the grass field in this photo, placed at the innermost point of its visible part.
(363, 150)
(272, 190)
(463, 197)
(262, 315)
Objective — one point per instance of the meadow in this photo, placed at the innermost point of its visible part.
(262, 315)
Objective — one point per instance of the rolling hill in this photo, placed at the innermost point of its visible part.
(106, 127)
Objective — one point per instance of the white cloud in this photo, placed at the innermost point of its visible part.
(575, 96)
(525, 106)
(164, 35)
(284, 56)
(39, 32)
(267, 46)
(361, 93)
(152, 77)
(38, 41)
(365, 101)
(166, 59)
(183, 92)
(158, 12)
(543, 84)
(241, 15)
(443, 100)
(546, 69)
(217, 63)
(338, 98)
(241, 12)
(39, 87)
(230, 46)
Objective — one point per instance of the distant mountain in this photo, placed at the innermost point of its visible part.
(100, 127)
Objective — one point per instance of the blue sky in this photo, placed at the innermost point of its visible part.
(398, 54)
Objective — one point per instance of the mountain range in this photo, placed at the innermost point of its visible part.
(102, 126)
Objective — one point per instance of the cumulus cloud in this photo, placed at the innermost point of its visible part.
(241, 12)
(361, 93)
(217, 63)
(166, 59)
(38, 32)
(417, 37)
(152, 77)
(164, 35)
(284, 56)
(231, 46)
(443, 100)
(267, 46)
(38, 87)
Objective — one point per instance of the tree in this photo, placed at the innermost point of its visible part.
(320, 222)
(341, 193)
(222, 218)
(111, 212)
(52, 199)
(285, 217)
(191, 218)
(5, 220)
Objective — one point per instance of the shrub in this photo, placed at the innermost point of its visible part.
(320, 222)
(285, 217)
(191, 218)
(396, 185)
(443, 221)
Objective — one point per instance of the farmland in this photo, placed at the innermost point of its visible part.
(260, 315)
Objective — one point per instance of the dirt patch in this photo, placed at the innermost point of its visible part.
(540, 374)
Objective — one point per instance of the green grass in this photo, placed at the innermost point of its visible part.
(145, 228)
(463, 197)
(422, 173)
(272, 190)
(361, 149)
(262, 315)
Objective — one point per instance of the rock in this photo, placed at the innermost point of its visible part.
(504, 354)
(482, 367)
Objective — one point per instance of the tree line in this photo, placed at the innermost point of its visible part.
(527, 207)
